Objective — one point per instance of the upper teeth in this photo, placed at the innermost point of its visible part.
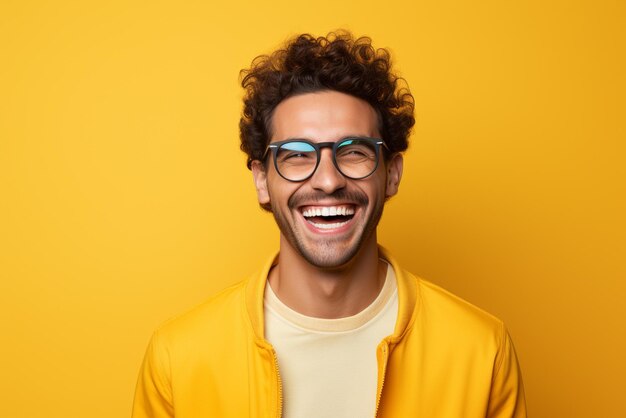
(328, 211)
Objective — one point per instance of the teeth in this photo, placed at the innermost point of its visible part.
(328, 211)
(329, 226)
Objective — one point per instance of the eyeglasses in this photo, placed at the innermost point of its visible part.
(297, 159)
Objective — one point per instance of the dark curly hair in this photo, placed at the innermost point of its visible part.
(336, 62)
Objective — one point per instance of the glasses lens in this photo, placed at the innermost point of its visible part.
(296, 160)
(356, 157)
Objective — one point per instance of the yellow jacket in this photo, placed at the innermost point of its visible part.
(445, 359)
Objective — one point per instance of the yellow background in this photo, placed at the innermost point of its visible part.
(124, 199)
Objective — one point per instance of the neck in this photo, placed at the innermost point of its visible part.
(328, 293)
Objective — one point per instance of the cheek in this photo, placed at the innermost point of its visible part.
(280, 191)
(379, 188)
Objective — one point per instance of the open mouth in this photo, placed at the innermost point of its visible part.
(328, 217)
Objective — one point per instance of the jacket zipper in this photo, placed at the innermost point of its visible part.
(382, 382)
(280, 385)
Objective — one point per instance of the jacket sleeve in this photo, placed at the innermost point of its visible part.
(506, 399)
(153, 394)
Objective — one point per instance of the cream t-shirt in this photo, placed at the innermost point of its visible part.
(328, 366)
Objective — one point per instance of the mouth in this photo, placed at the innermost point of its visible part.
(328, 218)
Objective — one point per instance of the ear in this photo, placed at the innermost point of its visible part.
(394, 174)
(260, 182)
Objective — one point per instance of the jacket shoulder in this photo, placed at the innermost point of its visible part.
(451, 313)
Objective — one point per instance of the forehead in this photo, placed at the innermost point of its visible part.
(323, 116)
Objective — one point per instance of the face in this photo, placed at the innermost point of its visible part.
(327, 218)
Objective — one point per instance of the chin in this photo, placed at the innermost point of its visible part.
(329, 261)
(329, 255)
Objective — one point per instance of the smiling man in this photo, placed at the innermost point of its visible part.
(332, 326)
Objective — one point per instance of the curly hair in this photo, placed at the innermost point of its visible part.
(336, 62)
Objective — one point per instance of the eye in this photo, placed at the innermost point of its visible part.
(355, 152)
(295, 155)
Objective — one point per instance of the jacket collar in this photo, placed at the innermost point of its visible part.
(407, 298)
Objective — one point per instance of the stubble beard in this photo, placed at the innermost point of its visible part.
(329, 256)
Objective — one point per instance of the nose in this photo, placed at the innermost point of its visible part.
(326, 177)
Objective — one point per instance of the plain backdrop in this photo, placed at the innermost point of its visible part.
(124, 199)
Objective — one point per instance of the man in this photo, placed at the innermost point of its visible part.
(332, 326)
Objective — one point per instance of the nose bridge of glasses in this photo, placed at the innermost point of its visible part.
(326, 148)
(327, 172)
